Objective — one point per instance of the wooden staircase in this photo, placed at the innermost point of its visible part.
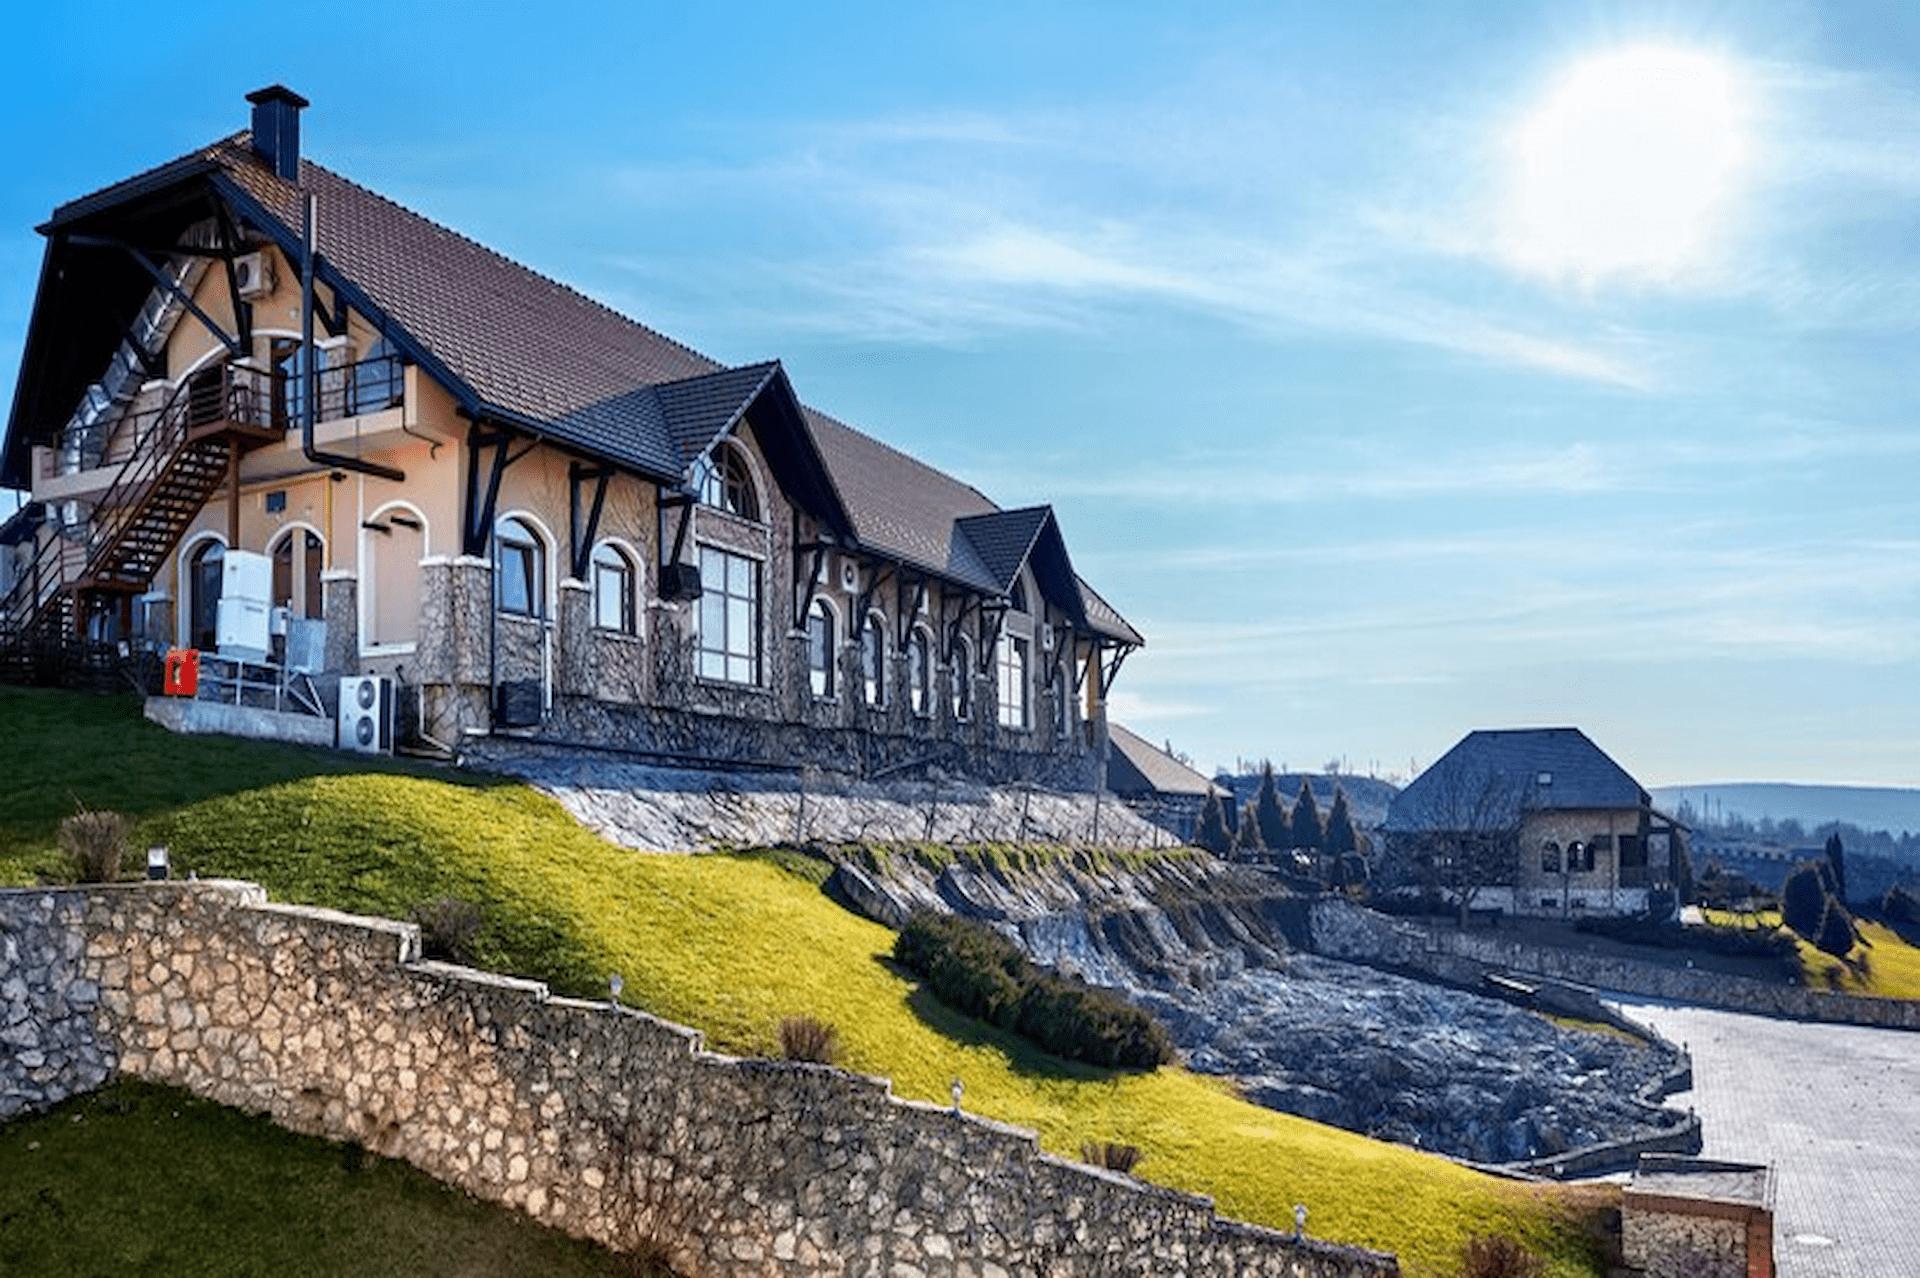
(175, 467)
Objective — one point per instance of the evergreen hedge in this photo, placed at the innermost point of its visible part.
(975, 970)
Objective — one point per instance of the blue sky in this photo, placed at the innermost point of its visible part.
(1398, 370)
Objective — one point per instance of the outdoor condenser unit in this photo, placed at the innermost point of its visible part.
(365, 719)
(679, 581)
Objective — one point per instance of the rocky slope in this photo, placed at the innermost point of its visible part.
(1216, 952)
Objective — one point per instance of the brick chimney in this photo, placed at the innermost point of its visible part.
(276, 129)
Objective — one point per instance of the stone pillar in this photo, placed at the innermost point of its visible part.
(340, 607)
(573, 664)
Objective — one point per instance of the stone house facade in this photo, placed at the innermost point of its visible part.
(540, 518)
(1579, 836)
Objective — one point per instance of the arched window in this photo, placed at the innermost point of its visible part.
(290, 380)
(820, 652)
(1550, 857)
(873, 660)
(613, 590)
(297, 555)
(520, 569)
(1019, 596)
(204, 571)
(919, 673)
(725, 483)
(1013, 681)
(962, 678)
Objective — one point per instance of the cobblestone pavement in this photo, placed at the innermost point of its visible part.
(1834, 1108)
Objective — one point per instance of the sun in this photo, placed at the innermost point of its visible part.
(1626, 169)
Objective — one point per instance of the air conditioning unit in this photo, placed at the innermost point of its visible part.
(365, 719)
(850, 576)
(243, 618)
(253, 274)
(679, 581)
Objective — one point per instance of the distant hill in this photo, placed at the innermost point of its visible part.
(1869, 807)
(1367, 798)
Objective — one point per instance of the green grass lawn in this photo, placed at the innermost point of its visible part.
(138, 1179)
(1882, 962)
(729, 944)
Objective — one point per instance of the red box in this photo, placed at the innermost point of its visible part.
(182, 675)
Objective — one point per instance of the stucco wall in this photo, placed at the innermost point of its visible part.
(607, 1123)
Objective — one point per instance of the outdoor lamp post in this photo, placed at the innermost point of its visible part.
(614, 986)
(159, 862)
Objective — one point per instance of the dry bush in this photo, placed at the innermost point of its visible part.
(805, 1038)
(448, 928)
(1111, 1155)
(1497, 1256)
(96, 844)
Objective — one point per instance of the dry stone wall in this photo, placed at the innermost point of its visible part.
(601, 1121)
(1342, 929)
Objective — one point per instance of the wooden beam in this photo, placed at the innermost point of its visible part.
(480, 507)
(909, 609)
(581, 538)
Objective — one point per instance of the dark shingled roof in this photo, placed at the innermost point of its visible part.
(1493, 775)
(1137, 766)
(529, 349)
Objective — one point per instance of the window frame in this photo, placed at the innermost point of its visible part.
(822, 679)
(919, 657)
(725, 653)
(627, 567)
(873, 661)
(726, 483)
(962, 672)
(1015, 675)
(507, 535)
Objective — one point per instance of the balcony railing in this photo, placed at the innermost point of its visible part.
(263, 399)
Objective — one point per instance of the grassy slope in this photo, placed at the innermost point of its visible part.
(1892, 962)
(731, 944)
(137, 1179)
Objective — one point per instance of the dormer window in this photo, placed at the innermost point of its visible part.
(725, 484)
(1544, 780)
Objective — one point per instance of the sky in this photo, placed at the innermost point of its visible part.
(1397, 370)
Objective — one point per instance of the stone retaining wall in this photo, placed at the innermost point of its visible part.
(604, 1122)
(1342, 929)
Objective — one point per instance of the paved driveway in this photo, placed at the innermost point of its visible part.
(1835, 1109)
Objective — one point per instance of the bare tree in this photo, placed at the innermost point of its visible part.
(1467, 837)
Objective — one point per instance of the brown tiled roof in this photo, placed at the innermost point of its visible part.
(530, 348)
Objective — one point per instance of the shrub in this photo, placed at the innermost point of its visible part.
(975, 970)
(1836, 931)
(805, 1038)
(1732, 942)
(1900, 905)
(96, 844)
(1111, 1155)
(448, 928)
(1803, 901)
(1497, 1256)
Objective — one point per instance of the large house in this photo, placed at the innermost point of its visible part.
(539, 517)
(1537, 821)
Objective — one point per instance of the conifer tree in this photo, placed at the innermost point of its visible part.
(1341, 839)
(1308, 833)
(1249, 840)
(1274, 829)
(1212, 833)
(1836, 930)
(1837, 858)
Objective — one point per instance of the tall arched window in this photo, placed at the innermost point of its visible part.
(1013, 681)
(820, 653)
(726, 484)
(919, 673)
(962, 678)
(1550, 857)
(520, 569)
(613, 590)
(204, 571)
(297, 555)
(873, 660)
(1019, 596)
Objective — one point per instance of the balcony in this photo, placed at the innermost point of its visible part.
(257, 404)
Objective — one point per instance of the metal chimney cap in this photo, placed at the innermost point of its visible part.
(277, 93)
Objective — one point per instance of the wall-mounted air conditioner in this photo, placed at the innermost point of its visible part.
(253, 274)
(365, 719)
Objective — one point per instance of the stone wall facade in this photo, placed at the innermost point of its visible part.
(1342, 929)
(598, 1120)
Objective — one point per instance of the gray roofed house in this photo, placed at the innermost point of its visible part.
(1155, 784)
(1585, 836)
(851, 590)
